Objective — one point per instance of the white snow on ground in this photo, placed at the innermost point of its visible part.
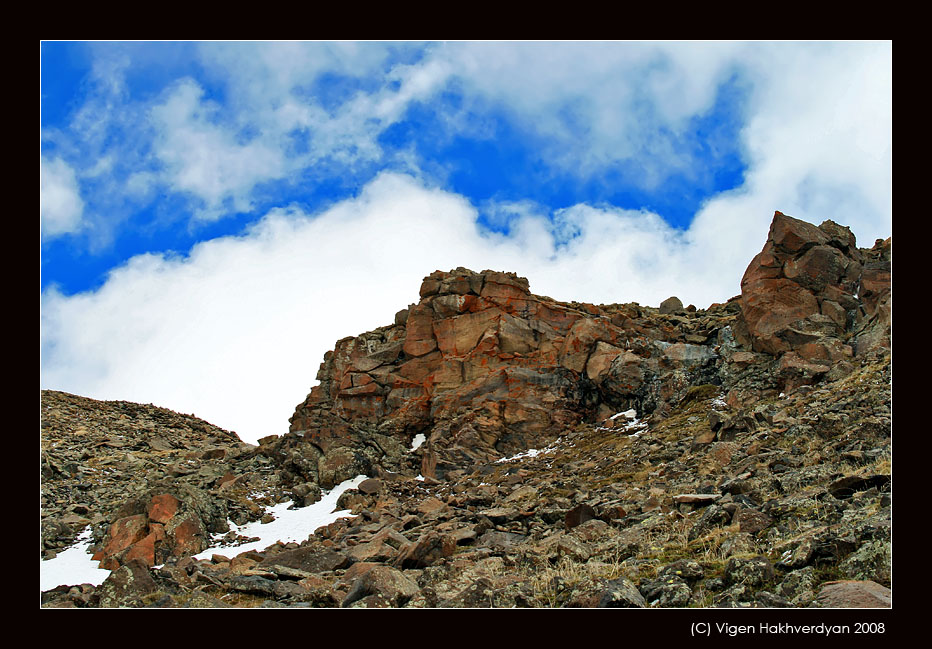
(531, 452)
(418, 440)
(72, 567)
(633, 425)
(289, 525)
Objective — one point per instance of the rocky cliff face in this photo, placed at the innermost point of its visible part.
(484, 368)
(750, 440)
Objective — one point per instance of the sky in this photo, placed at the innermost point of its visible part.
(214, 216)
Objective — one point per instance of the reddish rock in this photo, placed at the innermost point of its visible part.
(188, 534)
(122, 534)
(491, 369)
(375, 551)
(769, 306)
(419, 339)
(817, 268)
(601, 360)
(370, 486)
(431, 506)
(479, 353)
(793, 235)
(854, 594)
(163, 507)
(581, 339)
(752, 521)
(143, 550)
(579, 515)
(803, 288)
(428, 550)
(429, 464)
(226, 480)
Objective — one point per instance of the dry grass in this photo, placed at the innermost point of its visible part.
(552, 584)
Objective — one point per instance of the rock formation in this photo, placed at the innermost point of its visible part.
(573, 454)
(814, 300)
(484, 368)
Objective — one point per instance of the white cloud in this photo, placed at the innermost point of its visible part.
(597, 103)
(818, 142)
(60, 204)
(204, 158)
(592, 106)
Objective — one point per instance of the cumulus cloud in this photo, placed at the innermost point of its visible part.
(60, 204)
(818, 142)
(205, 159)
(288, 109)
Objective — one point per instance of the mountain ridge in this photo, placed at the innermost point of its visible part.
(561, 441)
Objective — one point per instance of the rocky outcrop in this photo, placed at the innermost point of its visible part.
(484, 368)
(789, 507)
(815, 300)
(171, 521)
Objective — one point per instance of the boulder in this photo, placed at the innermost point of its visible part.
(671, 305)
(854, 594)
(383, 582)
(127, 586)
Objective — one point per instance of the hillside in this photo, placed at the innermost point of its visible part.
(522, 451)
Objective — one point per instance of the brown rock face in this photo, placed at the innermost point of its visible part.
(483, 368)
(165, 527)
(812, 293)
(478, 352)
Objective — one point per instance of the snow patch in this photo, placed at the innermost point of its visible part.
(417, 441)
(634, 427)
(72, 567)
(290, 525)
(532, 452)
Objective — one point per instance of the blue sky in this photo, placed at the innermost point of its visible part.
(214, 216)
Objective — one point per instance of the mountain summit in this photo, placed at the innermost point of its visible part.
(521, 451)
